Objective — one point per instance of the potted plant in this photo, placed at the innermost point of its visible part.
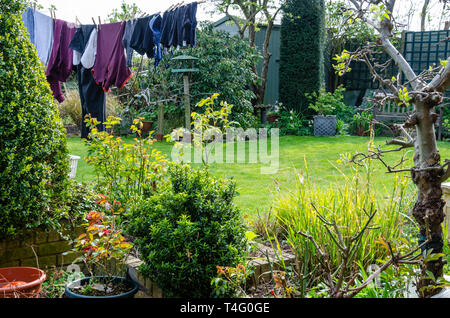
(147, 121)
(101, 244)
(21, 282)
(324, 122)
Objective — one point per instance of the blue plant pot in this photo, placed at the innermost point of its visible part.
(129, 294)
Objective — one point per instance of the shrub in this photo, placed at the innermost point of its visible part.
(348, 207)
(301, 52)
(291, 122)
(327, 103)
(184, 233)
(79, 198)
(33, 153)
(125, 171)
(225, 66)
(360, 124)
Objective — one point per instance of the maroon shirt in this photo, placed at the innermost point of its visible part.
(60, 64)
(110, 66)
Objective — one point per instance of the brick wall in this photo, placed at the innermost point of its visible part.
(40, 248)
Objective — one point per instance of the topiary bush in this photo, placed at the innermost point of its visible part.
(33, 153)
(301, 52)
(185, 232)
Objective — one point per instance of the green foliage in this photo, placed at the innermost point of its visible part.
(225, 63)
(79, 198)
(347, 208)
(360, 124)
(343, 31)
(186, 231)
(55, 284)
(327, 103)
(301, 52)
(231, 281)
(342, 27)
(127, 11)
(293, 123)
(125, 171)
(225, 66)
(33, 154)
(211, 121)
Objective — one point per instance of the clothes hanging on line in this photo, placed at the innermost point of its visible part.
(90, 51)
(43, 35)
(79, 41)
(129, 29)
(61, 59)
(28, 22)
(142, 38)
(110, 63)
(155, 26)
(92, 97)
(190, 24)
(179, 25)
(40, 31)
(65, 48)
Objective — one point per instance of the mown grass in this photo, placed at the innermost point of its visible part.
(256, 190)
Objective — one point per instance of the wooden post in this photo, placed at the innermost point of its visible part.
(160, 134)
(187, 101)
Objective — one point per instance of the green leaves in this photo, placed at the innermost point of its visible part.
(404, 97)
(124, 170)
(379, 12)
(33, 154)
(342, 63)
(185, 232)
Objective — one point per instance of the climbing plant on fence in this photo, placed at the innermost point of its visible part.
(301, 52)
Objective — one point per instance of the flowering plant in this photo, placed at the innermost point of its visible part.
(102, 240)
(231, 281)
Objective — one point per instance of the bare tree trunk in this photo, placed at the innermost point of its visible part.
(427, 173)
(428, 210)
(424, 15)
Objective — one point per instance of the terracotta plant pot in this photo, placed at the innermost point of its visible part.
(271, 118)
(147, 126)
(21, 282)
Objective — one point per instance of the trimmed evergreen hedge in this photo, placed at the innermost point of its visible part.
(33, 152)
(301, 52)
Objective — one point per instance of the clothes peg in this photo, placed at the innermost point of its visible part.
(99, 22)
(94, 21)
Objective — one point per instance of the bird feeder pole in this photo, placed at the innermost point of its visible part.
(187, 100)
(185, 70)
(160, 134)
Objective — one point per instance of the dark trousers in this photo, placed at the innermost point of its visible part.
(93, 99)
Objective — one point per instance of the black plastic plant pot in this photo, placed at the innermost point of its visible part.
(133, 287)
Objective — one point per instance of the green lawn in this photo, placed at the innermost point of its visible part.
(256, 189)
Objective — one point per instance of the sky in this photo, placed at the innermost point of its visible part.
(86, 9)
